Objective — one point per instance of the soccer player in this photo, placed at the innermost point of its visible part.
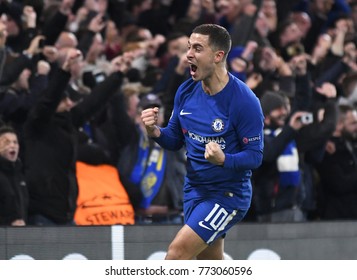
(220, 121)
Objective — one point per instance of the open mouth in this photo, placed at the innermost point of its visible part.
(11, 155)
(193, 69)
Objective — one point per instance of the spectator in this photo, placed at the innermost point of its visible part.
(113, 40)
(321, 101)
(151, 14)
(51, 132)
(157, 174)
(177, 73)
(231, 13)
(239, 60)
(276, 73)
(197, 12)
(20, 22)
(269, 10)
(322, 13)
(66, 40)
(338, 169)
(176, 45)
(55, 22)
(303, 22)
(238, 17)
(95, 67)
(349, 84)
(288, 38)
(261, 31)
(277, 182)
(21, 84)
(13, 190)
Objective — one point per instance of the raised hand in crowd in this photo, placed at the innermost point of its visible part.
(78, 18)
(208, 6)
(321, 49)
(123, 62)
(296, 122)
(72, 59)
(182, 64)
(249, 8)
(254, 80)
(339, 35)
(50, 53)
(97, 23)
(298, 64)
(92, 5)
(3, 34)
(29, 17)
(35, 46)
(282, 66)
(270, 61)
(43, 67)
(249, 50)
(66, 7)
(327, 89)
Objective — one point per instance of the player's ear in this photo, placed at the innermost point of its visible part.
(219, 56)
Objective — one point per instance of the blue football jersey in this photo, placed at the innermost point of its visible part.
(232, 118)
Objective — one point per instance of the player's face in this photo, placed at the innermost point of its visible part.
(200, 57)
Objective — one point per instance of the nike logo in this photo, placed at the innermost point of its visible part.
(184, 113)
(203, 225)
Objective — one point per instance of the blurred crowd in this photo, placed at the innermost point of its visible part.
(76, 74)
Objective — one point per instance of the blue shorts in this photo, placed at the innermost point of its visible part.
(211, 217)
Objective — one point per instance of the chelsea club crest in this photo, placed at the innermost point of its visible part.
(217, 125)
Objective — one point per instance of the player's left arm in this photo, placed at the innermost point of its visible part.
(248, 124)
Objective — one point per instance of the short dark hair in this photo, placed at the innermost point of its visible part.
(272, 100)
(7, 129)
(218, 36)
(343, 109)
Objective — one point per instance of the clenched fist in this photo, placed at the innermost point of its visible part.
(214, 153)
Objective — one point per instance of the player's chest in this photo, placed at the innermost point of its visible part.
(206, 116)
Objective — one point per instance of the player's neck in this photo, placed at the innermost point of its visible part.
(215, 83)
